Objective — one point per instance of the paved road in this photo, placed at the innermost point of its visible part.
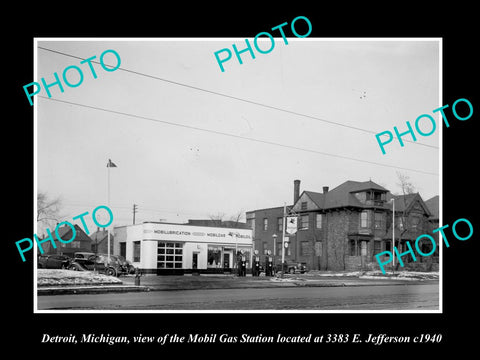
(395, 297)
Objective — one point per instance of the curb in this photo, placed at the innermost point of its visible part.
(66, 290)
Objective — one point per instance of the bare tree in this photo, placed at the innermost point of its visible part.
(220, 217)
(407, 188)
(48, 210)
(217, 218)
(237, 217)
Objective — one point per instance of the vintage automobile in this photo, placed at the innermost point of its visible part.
(53, 261)
(128, 268)
(292, 267)
(84, 261)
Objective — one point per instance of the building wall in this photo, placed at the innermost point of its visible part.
(201, 249)
(338, 225)
(329, 248)
(193, 239)
(309, 243)
(262, 236)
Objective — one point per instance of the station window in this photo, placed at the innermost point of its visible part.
(136, 251)
(214, 257)
(170, 255)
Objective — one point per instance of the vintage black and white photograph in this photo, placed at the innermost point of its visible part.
(269, 174)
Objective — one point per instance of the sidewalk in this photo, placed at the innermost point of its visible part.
(195, 282)
(169, 283)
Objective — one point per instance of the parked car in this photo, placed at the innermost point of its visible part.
(128, 268)
(83, 261)
(53, 261)
(293, 267)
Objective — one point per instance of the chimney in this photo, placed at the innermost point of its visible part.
(325, 189)
(296, 190)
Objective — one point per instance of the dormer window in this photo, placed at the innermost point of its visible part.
(375, 196)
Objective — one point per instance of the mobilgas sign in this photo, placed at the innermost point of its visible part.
(197, 233)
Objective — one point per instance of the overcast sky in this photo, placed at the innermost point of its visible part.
(175, 173)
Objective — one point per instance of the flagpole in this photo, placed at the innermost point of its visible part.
(108, 204)
(283, 237)
(109, 165)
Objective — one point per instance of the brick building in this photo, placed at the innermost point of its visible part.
(99, 241)
(342, 228)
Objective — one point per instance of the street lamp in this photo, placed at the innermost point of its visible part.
(274, 243)
(235, 259)
(274, 247)
(393, 234)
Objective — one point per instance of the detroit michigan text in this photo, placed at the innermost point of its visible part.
(374, 339)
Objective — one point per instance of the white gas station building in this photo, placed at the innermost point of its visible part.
(168, 248)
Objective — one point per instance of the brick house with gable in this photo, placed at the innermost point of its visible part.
(81, 243)
(342, 228)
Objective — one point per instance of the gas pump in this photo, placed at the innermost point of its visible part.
(269, 264)
(243, 266)
(256, 264)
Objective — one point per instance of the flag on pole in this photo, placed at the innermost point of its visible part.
(291, 227)
(111, 164)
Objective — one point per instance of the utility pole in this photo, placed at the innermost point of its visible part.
(283, 236)
(393, 236)
(134, 211)
(110, 164)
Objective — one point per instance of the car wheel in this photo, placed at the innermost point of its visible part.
(73, 267)
(111, 272)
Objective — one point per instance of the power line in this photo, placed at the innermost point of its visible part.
(239, 99)
(233, 135)
(127, 208)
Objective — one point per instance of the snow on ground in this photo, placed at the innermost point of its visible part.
(47, 277)
(400, 275)
(334, 273)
